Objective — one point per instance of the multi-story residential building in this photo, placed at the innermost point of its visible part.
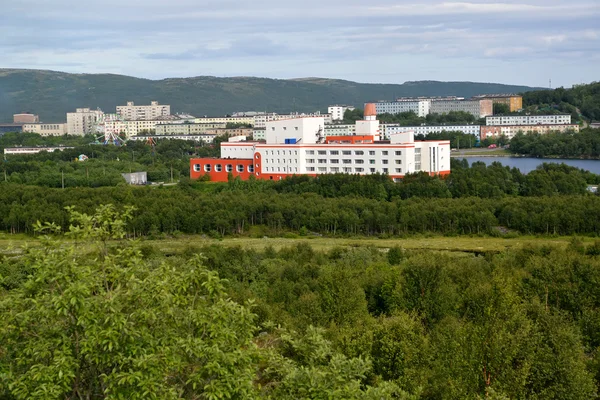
(132, 112)
(340, 130)
(206, 138)
(478, 108)
(83, 121)
(528, 119)
(420, 107)
(245, 132)
(426, 129)
(187, 128)
(246, 120)
(259, 133)
(298, 146)
(510, 131)
(46, 129)
(260, 121)
(337, 111)
(513, 101)
(25, 118)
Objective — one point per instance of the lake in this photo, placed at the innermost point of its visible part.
(525, 164)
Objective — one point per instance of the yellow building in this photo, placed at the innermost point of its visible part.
(513, 101)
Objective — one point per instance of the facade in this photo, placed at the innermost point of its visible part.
(421, 107)
(511, 130)
(529, 119)
(260, 120)
(337, 111)
(187, 128)
(113, 123)
(245, 132)
(340, 130)
(32, 150)
(5, 128)
(83, 121)
(46, 129)
(478, 108)
(132, 112)
(298, 146)
(513, 101)
(426, 130)
(247, 120)
(259, 133)
(25, 118)
(206, 138)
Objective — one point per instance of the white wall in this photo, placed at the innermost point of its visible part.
(304, 130)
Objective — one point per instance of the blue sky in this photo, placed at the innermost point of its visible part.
(391, 41)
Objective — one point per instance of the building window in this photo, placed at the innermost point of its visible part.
(218, 168)
(334, 152)
(399, 170)
(398, 153)
(322, 161)
(359, 169)
(335, 169)
(359, 161)
(371, 152)
(346, 152)
(322, 152)
(207, 168)
(197, 167)
(310, 169)
(359, 152)
(239, 168)
(371, 161)
(347, 161)
(372, 170)
(347, 169)
(399, 162)
(310, 161)
(384, 161)
(322, 169)
(310, 152)
(251, 168)
(385, 170)
(334, 161)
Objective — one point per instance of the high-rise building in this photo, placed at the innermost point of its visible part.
(83, 121)
(132, 112)
(337, 111)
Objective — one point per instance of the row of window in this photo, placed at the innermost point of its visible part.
(349, 170)
(219, 168)
(349, 152)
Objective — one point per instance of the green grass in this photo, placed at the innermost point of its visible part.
(482, 152)
(458, 244)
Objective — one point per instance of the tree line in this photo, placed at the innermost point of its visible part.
(585, 144)
(585, 98)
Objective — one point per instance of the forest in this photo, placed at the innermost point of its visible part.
(88, 314)
(580, 99)
(585, 144)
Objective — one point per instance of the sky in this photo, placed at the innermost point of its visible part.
(377, 41)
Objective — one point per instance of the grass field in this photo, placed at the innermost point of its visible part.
(482, 153)
(437, 243)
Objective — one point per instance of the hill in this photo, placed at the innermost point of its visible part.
(580, 99)
(51, 94)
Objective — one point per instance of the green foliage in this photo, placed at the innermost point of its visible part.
(585, 98)
(585, 144)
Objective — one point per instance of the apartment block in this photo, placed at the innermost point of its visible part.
(131, 112)
(513, 101)
(337, 111)
(511, 130)
(421, 107)
(529, 119)
(83, 121)
(187, 128)
(426, 130)
(478, 108)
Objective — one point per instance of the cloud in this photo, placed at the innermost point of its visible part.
(351, 39)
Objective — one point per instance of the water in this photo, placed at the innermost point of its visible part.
(525, 164)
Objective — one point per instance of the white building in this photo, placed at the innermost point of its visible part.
(83, 121)
(46, 129)
(33, 150)
(478, 108)
(426, 130)
(206, 138)
(299, 146)
(420, 107)
(337, 111)
(260, 121)
(558, 119)
(340, 129)
(132, 112)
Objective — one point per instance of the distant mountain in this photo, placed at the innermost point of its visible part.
(52, 94)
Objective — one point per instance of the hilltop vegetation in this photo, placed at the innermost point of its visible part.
(52, 94)
(585, 98)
